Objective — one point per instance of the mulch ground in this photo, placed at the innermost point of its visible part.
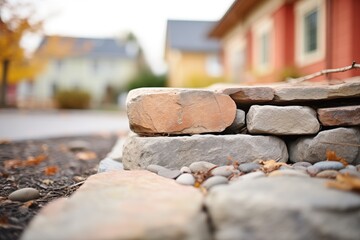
(49, 166)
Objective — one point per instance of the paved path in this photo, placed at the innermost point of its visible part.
(23, 124)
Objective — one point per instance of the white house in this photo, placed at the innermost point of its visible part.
(98, 66)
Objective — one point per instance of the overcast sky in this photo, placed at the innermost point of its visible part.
(109, 18)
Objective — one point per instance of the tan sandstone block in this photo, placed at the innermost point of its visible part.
(179, 111)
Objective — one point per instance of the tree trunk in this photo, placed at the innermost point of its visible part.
(5, 65)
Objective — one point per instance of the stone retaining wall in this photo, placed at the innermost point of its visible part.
(175, 127)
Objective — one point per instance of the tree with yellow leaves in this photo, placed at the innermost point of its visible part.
(16, 20)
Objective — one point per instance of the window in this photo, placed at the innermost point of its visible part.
(310, 31)
(262, 47)
(213, 66)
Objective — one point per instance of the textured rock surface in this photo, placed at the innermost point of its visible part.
(339, 116)
(313, 149)
(317, 92)
(309, 210)
(124, 205)
(248, 94)
(175, 152)
(238, 124)
(287, 120)
(179, 111)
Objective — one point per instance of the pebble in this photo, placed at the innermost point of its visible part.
(286, 167)
(78, 145)
(302, 164)
(350, 172)
(213, 181)
(172, 174)
(24, 194)
(186, 179)
(155, 168)
(224, 171)
(249, 167)
(351, 167)
(324, 165)
(109, 164)
(288, 172)
(300, 168)
(329, 165)
(201, 166)
(327, 174)
(252, 175)
(185, 170)
(358, 167)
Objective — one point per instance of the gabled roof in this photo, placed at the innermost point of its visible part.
(87, 47)
(236, 13)
(190, 36)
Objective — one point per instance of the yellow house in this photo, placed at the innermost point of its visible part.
(193, 59)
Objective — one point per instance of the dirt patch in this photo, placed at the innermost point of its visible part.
(49, 166)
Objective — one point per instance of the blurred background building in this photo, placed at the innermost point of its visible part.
(270, 40)
(193, 58)
(100, 67)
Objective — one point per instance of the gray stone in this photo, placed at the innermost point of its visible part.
(201, 166)
(224, 171)
(249, 167)
(283, 208)
(238, 123)
(186, 179)
(313, 149)
(185, 169)
(155, 168)
(116, 152)
(350, 172)
(288, 172)
(302, 164)
(124, 205)
(109, 164)
(329, 165)
(296, 93)
(351, 167)
(279, 120)
(24, 194)
(172, 174)
(214, 181)
(175, 152)
(324, 165)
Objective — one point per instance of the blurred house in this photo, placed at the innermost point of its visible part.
(101, 67)
(266, 41)
(192, 58)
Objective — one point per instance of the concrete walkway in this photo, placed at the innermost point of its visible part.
(24, 124)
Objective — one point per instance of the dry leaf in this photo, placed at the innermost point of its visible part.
(31, 161)
(4, 141)
(270, 165)
(13, 163)
(87, 155)
(51, 170)
(345, 182)
(331, 156)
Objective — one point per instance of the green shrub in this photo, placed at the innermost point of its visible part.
(146, 79)
(72, 99)
(289, 72)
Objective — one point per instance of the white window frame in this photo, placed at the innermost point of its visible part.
(303, 8)
(264, 26)
(213, 65)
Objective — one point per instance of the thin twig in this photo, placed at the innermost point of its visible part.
(71, 186)
(323, 72)
(343, 144)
